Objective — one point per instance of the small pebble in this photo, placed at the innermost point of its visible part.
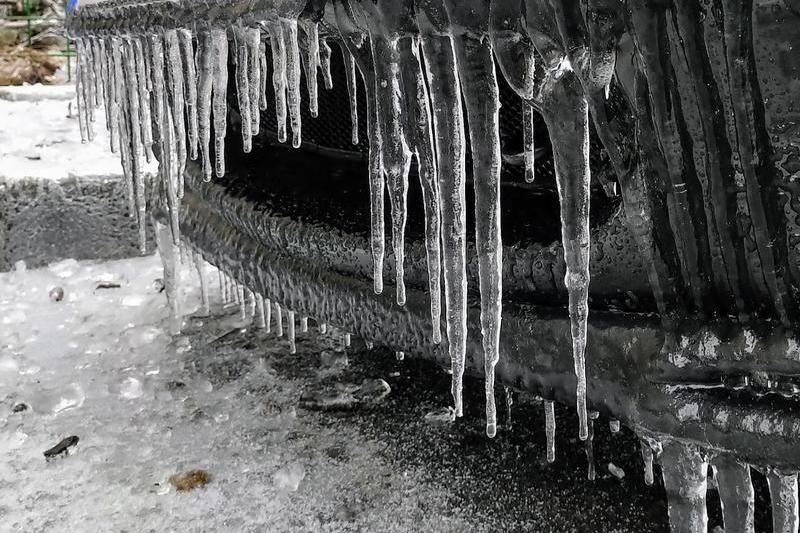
(18, 408)
(56, 294)
(190, 480)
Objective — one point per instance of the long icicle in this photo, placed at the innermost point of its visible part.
(243, 86)
(112, 110)
(262, 82)
(145, 121)
(358, 50)
(395, 151)
(81, 93)
(134, 115)
(190, 78)
(205, 76)
(123, 124)
(420, 131)
(445, 94)
(177, 102)
(97, 71)
(566, 112)
(481, 95)
(254, 63)
(289, 33)
(219, 40)
(311, 63)
(165, 163)
(278, 77)
(350, 77)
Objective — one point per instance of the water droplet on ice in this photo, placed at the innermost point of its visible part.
(131, 389)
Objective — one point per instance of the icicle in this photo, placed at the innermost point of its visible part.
(170, 255)
(251, 303)
(509, 403)
(613, 425)
(783, 495)
(205, 76)
(201, 273)
(219, 61)
(566, 113)
(268, 314)
(449, 135)
(261, 322)
(311, 62)
(278, 320)
(145, 121)
(190, 78)
(166, 149)
(109, 91)
(85, 87)
(278, 76)
(243, 86)
(242, 302)
(400, 355)
(97, 71)
(80, 93)
(591, 472)
(346, 340)
(262, 82)
(419, 131)
(290, 331)
(223, 292)
(133, 134)
(304, 325)
(647, 458)
(289, 32)
(550, 429)
(396, 155)
(323, 328)
(175, 78)
(350, 76)
(102, 60)
(254, 64)
(236, 290)
(375, 167)
(529, 148)
(325, 64)
(124, 123)
(482, 100)
(91, 97)
(736, 495)
(114, 84)
(685, 470)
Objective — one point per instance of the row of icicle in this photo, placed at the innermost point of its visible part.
(166, 93)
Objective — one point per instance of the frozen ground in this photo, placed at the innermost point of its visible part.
(230, 399)
(39, 126)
